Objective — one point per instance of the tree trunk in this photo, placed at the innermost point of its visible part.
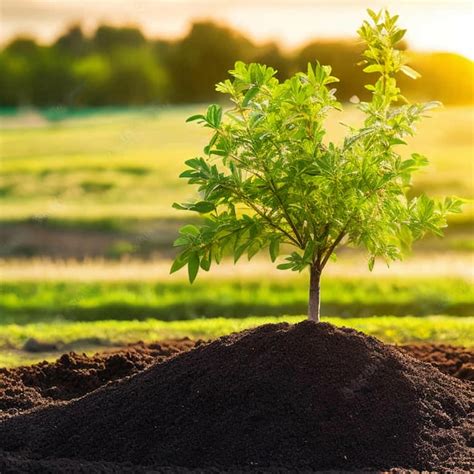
(314, 294)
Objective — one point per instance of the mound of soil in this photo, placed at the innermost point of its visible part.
(74, 375)
(308, 396)
(452, 360)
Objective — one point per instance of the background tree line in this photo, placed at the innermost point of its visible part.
(119, 66)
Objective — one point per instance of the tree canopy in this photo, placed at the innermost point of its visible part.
(269, 179)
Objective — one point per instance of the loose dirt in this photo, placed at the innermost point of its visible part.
(74, 375)
(452, 360)
(308, 396)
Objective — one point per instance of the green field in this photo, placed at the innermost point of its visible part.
(106, 181)
(126, 165)
(24, 302)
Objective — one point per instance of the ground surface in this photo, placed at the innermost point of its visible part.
(74, 375)
(359, 404)
(25, 344)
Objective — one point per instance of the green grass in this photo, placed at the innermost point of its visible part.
(126, 166)
(102, 167)
(24, 302)
(391, 329)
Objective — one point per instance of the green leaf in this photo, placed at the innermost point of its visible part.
(285, 266)
(454, 204)
(408, 71)
(373, 68)
(205, 264)
(308, 253)
(195, 117)
(398, 35)
(397, 141)
(193, 163)
(253, 249)
(375, 17)
(371, 263)
(181, 207)
(178, 263)
(214, 115)
(433, 104)
(274, 249)
(193, 266)
(239, 251)
(203, 207)
(251, 93)
(189, 230)
(183, 240)
(419, 160)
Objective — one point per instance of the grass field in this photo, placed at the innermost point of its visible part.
(126, 165)
(445, 329)
(24, 302)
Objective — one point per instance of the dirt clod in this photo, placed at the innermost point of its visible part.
(308, 396)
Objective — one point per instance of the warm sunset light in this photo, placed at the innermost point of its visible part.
(236, 236)
(440, 25)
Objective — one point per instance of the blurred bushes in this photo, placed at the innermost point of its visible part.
(119, 66)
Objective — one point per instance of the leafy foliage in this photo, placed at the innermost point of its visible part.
(268, 179)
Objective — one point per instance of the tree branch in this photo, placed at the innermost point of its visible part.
(333, 246)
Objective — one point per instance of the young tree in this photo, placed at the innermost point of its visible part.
(268, 179)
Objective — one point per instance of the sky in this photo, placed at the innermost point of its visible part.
(438, 25)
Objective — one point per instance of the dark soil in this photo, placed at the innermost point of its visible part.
(74, 375)
(452, 360)
(308, 396)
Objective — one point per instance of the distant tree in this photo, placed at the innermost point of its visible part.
(271, 55)
(22, 46)
(76, 69)
(202, 57)
(136, 78)
(16, 72)
(269, 180)
(16, 86)
(446, 76)
(34, 74)
(93, 76)
(162, 49)
(52, 79)
(109, 38)
(73, 42)
(343, 57)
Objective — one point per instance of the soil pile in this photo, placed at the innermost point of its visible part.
(303, 396)
(452, 360)
(74, 375)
